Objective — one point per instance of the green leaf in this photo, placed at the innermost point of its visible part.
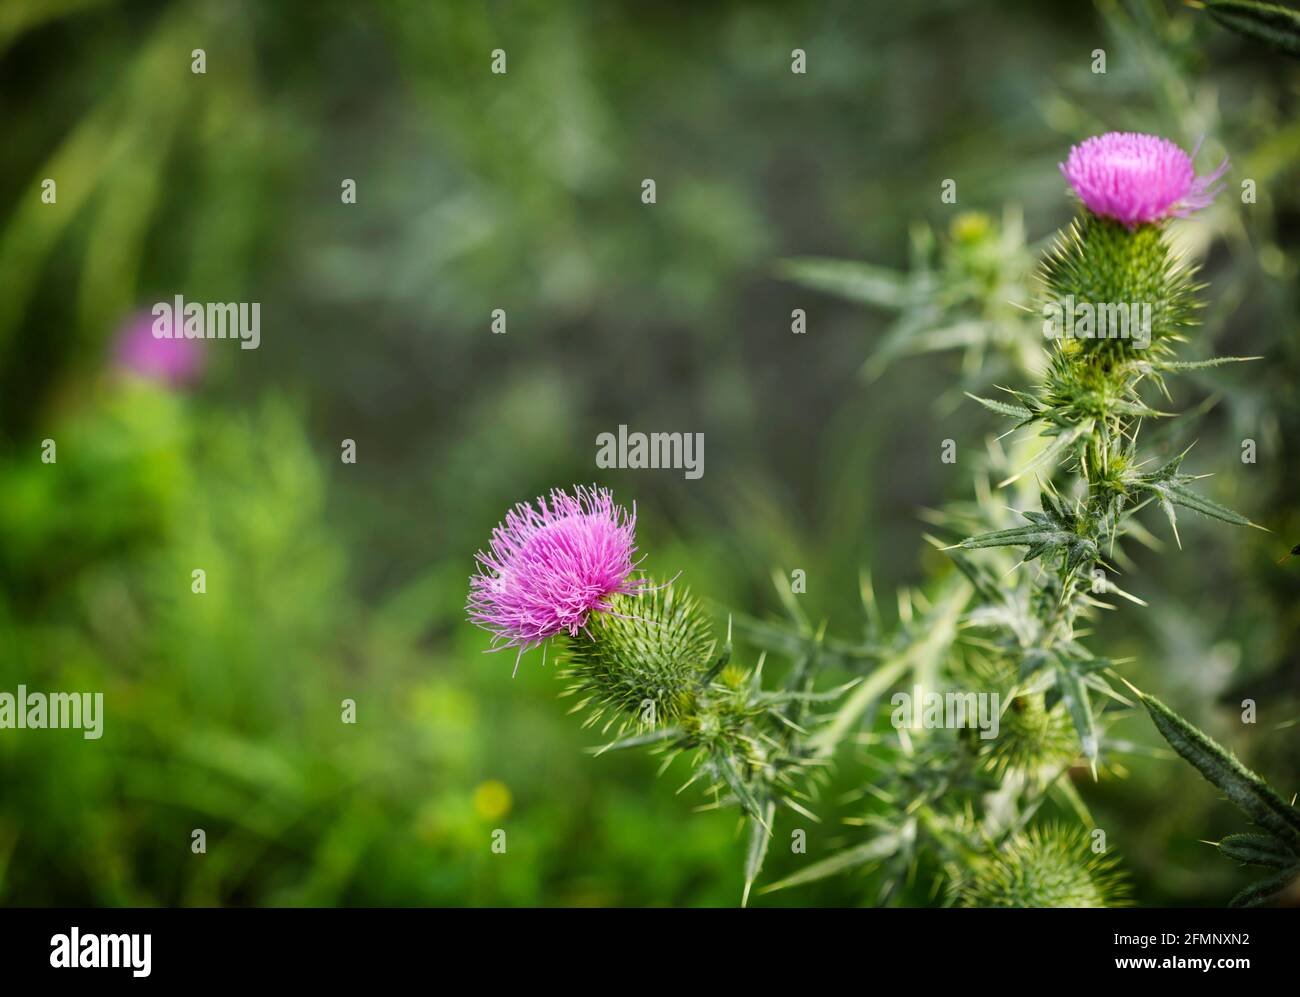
(850, 279)
(1243, 787)
(921, 654)
(872, 688)
(744, 795)
(785, 592)
(1049, 455)
(1274, 25)
(760, 835)
(784, 639)
(1178, 365)
(1169, 486)
(1258, 849)
(987, 585)
(1088, 665)
(878, 848)
(1181, 495)
(1264, 891)
(639, 740)
(1002, 408)
(724, 657)
(1051, 531)
(1075, 694)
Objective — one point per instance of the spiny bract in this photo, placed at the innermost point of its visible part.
(641, 661)
(1098, 263)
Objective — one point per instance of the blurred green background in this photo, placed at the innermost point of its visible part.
(476, 191)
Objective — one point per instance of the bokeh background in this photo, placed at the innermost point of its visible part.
(328, 581)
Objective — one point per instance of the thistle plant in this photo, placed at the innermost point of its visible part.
(640, 658)
(1015, 618)
(1090, 405)
(642, 663)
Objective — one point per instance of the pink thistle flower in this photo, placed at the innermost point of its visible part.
(551, 566)
(1137, 178)
(175, 362)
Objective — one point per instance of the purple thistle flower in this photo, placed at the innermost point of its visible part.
(551, 566)
(1137, 178)
(175, 362)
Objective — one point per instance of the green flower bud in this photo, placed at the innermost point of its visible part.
(640, 663)
(1050, 866)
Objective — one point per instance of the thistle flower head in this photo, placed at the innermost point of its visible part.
(1032, 739)
(1136, 178)
(1050, 866)
(552, 564)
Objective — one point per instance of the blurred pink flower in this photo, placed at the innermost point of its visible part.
(175, 362)
(1137, 178)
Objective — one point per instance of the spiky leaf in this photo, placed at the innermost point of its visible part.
(760, 834)
(1052, 531)
(1270, 23)
(873, 850)
(1075, 695)
(1242, 786)
(1264, 892)
(1003, 408)
(1064, 439)
(1258, 849)
(855, 281)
